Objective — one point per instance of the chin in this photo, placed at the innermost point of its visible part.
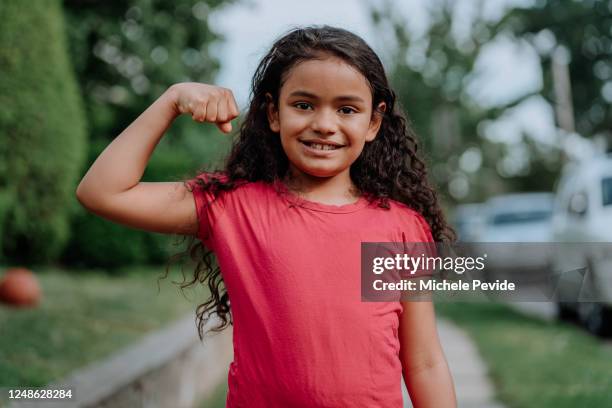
(321, 172)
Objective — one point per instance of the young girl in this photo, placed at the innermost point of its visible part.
(324, 161)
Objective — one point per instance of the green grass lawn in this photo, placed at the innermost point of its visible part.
(535, 363)
(84, 316)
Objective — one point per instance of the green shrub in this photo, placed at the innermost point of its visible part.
(42, 132)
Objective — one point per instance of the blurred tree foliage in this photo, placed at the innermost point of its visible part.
(42, 132)
(433, 71)
(127, 53)
(429, 72)
(584, 30)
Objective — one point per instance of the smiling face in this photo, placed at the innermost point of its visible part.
(324, 117)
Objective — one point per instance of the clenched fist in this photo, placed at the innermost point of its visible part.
(206, 103)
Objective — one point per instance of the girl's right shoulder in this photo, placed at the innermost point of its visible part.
(216, 185)
(215, 198)
(215, 190)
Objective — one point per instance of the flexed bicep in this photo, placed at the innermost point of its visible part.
(164, 207)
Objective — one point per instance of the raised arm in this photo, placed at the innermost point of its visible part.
(112, 189)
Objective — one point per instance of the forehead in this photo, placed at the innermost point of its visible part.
(326, 77)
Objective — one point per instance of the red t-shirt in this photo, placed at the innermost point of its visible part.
(302, 336)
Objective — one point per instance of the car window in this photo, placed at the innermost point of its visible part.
(521, 217)
(606, 191)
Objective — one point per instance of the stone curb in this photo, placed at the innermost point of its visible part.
(169, 367)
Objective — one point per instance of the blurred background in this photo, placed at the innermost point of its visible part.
(511, 100)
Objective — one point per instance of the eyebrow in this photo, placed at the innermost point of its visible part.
(348, 98)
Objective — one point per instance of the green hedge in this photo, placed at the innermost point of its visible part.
(42, 132)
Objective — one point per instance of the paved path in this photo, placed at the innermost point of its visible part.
(473, 387)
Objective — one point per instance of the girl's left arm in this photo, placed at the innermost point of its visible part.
(424, 365)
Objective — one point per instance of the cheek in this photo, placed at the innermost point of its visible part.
(358, 131)
(356, 151)
(290, 120)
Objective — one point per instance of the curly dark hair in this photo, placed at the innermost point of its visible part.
(388, 167)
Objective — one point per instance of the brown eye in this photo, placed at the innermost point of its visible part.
(347, 110)
(302, 105)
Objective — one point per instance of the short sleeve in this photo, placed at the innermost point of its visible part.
(419, 242)
(423, 229)
(208, 206)
(415, 228)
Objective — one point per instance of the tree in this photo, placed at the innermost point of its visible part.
(42, 131)
(433, 72)
(127, 53)
(582, 30)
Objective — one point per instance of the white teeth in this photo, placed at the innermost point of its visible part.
(322, 146)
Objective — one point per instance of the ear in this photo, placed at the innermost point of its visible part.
(272, 112)
(376, 121)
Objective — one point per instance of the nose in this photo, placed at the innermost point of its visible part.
(324, 122)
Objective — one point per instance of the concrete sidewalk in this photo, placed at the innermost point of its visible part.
(473, 387)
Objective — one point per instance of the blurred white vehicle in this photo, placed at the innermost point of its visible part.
(520, 217)
(583, 213)
(512, 223)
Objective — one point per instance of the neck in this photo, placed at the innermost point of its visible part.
(334, 190)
